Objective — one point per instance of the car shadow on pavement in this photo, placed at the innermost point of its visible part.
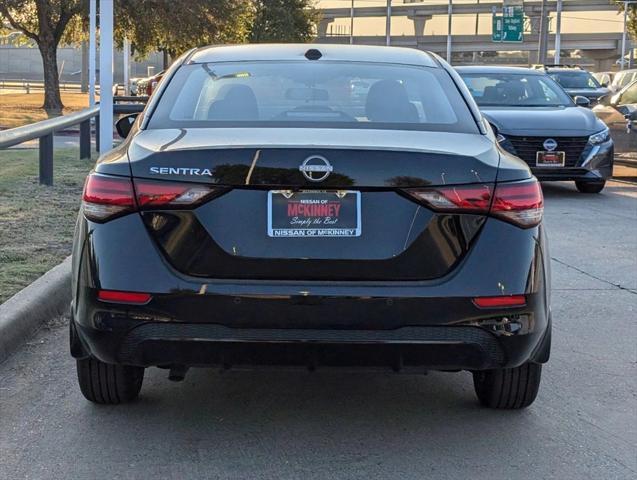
(303, 410)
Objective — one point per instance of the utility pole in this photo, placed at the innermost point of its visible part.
(449, 17)
(544, 33)
(558, 31)
(126, 58)
(92, 50)
(351, 24)
(622, 60)
(388, 24)
(84, 69)
(475, 54)
(106, 75)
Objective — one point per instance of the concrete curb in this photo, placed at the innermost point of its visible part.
(27, 310)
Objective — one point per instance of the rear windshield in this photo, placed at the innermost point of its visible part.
(515, 90)
(316, 94)
(583, 80)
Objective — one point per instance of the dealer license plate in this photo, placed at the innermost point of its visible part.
(314, 213)
(549, 159)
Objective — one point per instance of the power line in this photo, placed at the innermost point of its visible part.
(591, 19)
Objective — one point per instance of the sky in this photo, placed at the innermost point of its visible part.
(572, 22)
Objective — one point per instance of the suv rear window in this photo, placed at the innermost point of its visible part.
(313, 94)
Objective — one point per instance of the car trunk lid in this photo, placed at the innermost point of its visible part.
(267, 177)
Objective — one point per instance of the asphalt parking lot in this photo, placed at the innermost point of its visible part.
(283, 424)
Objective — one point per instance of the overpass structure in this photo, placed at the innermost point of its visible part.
(604, 47)
(439, 7)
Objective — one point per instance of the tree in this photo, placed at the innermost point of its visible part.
(284, 21)
(632, 17)
(174, 27)
(166, 25)
(45, 22)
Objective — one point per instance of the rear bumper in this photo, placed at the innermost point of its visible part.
(446, 348)
(433, 324)
(494, 339)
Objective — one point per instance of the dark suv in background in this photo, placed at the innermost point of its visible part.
(576, 81)
(538, 122)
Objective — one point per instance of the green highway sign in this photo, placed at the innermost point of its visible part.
(509, 26)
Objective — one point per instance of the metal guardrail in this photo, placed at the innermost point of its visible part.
(28, 85)
(45, 130)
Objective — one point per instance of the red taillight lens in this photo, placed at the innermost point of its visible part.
(520, 203)
(503, 301)
(106, 197)
(462, 198)
(123, 297)
(152, 194)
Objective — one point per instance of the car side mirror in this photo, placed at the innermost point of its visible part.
(605, 84)
(125, 124)
(498, 136)
(605, 100)
(581, 101)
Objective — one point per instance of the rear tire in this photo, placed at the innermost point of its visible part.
(108, 384)
(590, 187)
(508, 388)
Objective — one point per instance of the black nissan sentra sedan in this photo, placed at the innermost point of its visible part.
(262, 211)
(536, 120)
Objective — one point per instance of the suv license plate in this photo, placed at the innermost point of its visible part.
(314, 213)
(550, 159)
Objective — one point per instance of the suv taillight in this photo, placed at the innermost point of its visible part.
(106, 197)
(520, 203)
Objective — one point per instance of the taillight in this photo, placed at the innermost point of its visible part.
(520, 203)
(461, 199)
(106, 197)
(157, 194)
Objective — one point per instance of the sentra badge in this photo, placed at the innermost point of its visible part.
(180, 171)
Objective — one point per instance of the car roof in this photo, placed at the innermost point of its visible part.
(292, 52)
(498, 69)
(566, 70)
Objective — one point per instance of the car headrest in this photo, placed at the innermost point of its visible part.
(387, 101)
(235, 102)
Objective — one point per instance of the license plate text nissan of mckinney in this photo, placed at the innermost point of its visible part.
(314, 214)
(311, 206)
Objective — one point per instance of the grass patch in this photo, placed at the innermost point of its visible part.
(37, 221)
(17, 109)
